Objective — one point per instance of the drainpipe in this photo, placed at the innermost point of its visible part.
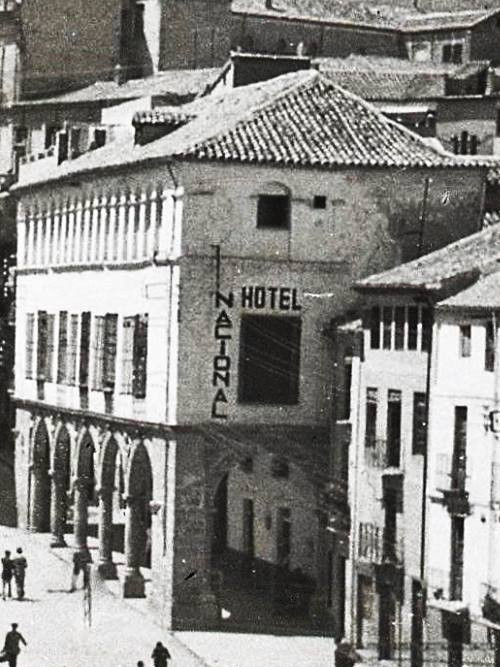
(426, 455)
(354, 506)
(423, 215)
(492, 550)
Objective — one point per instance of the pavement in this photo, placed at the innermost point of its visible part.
(122, 632)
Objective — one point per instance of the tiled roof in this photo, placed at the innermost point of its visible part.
(179, 85)
(162, 116)
(373, 63)
(385, 85)
(445, 20)
(470, 255)
(491, 218)
(382, 15)
(483, 294)
(351, 11)
(494, 175)
(298, 119)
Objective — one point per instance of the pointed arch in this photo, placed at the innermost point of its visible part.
(40, 478)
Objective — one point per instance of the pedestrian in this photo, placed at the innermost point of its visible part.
(11, 646)
(345, 655)
(160, 655)
(7, 570)
(20, 564)
(81, 563)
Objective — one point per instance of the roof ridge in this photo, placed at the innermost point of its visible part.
(306, 78)
(384, 119)
(417, 262)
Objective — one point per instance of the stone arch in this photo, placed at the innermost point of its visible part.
(111, 490)
(139, 488)
(61, 484)
(220, 516)
(84, 484)
(40, 478)
(85, 468)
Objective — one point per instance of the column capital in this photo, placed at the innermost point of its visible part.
(133, 500)
(106, 490)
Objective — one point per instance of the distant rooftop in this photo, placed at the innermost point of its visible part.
(469, 256)
(381, 15)
(179, 85)
(299, 119)
(391, 79)
(483, 294)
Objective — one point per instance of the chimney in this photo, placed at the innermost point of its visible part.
(119, 75)
(269, 4)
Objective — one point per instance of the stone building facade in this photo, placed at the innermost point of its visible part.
(338, 31)
(173, 378)
(424, 558)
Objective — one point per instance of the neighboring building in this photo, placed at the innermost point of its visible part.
(459, 105)
(141, 37)
(317, 28)
(171, 302)
(426, 447)
(93, 115)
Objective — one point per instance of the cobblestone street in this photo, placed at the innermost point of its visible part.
(52, 621)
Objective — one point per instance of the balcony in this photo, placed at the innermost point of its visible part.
(382, 454)
(456, 502)
(491, 603)
(376, 453)
(390, 575)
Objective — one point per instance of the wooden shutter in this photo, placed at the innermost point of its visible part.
(140, 356)
(30, 344)
(109, 363)
(84, 350)
(62, 354)
(49, 359)
(127, 355)
(73, 350)
(98, 353)
(42, 345)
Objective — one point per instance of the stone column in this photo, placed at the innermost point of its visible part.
(39, 511)
(133, 584)
(58, 505)
(80, 514)
(106, 567)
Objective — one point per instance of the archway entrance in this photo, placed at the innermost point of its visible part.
(111, 524)
(219, 535)
(61, 485)
(40, 481)
(84, 489)
(138, 535)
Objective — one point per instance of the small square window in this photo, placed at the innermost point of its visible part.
(247, 465)
(319, 201)
(279, 468)
(273, 211)
(447, 53)
(457, 53)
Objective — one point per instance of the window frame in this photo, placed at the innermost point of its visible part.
(262, 215)
(245, 395)
(419, 431)
(464, 341)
